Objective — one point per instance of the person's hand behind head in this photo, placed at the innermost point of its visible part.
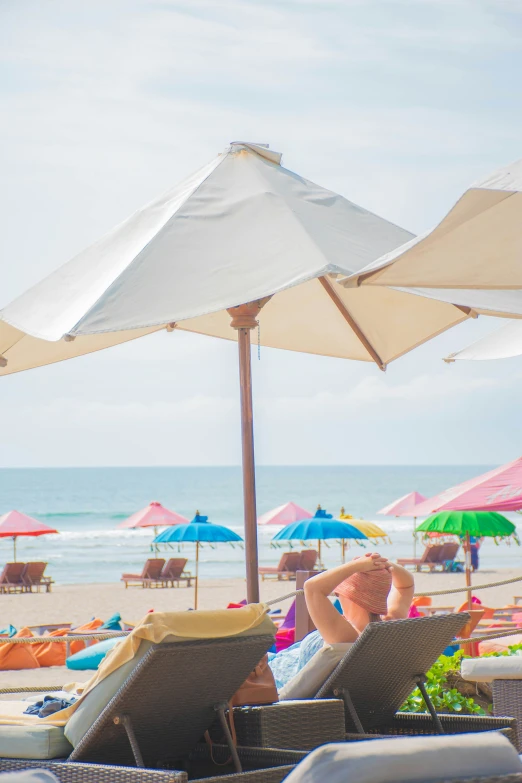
(372, 561)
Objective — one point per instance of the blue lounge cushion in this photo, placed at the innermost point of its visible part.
(92, 656)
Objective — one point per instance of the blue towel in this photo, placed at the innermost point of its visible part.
(48, 706)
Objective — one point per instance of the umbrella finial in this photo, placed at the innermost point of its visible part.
(319, 507)
(341, 512)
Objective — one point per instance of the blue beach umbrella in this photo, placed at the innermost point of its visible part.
(320, 527)
(199, 530)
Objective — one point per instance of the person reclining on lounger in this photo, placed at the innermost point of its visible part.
(369, 588)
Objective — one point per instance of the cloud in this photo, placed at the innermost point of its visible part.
(413, 398)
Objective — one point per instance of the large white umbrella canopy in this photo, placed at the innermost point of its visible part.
(243, 238)
(471, 258)
(240, 229)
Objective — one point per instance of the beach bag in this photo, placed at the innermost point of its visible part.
(258, 688)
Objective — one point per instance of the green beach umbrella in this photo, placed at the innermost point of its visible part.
(480, 524)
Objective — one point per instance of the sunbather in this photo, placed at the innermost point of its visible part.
(369, 588)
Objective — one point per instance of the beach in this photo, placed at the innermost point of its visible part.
(79, 603)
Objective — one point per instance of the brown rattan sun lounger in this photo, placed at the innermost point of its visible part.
(159, 715)
(387, 662)
(11, 578)
(285, 569)
(373, 679)
(33, 576)
(151, 571)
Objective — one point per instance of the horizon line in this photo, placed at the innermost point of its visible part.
(261, 465)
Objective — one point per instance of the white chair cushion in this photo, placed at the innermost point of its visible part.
(307, 682)
(410, 760)
(34, 742)
(489, 669)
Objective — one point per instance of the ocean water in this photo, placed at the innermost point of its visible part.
(86, 504)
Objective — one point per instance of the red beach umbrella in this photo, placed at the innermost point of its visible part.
(284, 515)
(406, 506)
(14, 524)
(154, 515)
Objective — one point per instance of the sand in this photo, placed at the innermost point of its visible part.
(79, 603)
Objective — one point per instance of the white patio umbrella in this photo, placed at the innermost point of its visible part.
(242, 239)
(471, 258)
(504, 343)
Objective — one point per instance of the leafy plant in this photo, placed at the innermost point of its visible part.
(443, 697)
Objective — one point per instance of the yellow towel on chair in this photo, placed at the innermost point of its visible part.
(155, 627)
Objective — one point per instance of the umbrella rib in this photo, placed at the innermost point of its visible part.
(338, 302)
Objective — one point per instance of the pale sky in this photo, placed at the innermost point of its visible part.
(398, 106)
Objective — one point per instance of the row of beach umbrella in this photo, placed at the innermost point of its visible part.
(468, 509)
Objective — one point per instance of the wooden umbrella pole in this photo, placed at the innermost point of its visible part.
(468, 570)
(156, 548)
(414, 537)
(197, 577)
(14, 548)
(244, 319)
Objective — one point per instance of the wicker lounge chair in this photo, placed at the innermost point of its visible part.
(173, 573)
(151, 571)
(373, 679)
(11, 578)
(286, 568)
(155, 719)
(431, 558)
(33, 576)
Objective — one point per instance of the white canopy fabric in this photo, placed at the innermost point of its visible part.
(471, 258)
(240, 229)
(504, 343)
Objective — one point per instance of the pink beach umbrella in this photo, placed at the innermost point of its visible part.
(284, 515)
(154, 515)
(14, 524)
(497, 490)
(406, 506)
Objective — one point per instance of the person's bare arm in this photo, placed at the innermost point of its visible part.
(401, 594)
(332, 626)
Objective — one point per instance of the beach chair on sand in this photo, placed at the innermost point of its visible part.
(431, 558)
(151, 571)
(33, 576)
(370, 683)
(449, 552)
(11, 578)
(285, 569)
(173, 573)
(143, 723)
(308, 560)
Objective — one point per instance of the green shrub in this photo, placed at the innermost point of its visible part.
(444, 698)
